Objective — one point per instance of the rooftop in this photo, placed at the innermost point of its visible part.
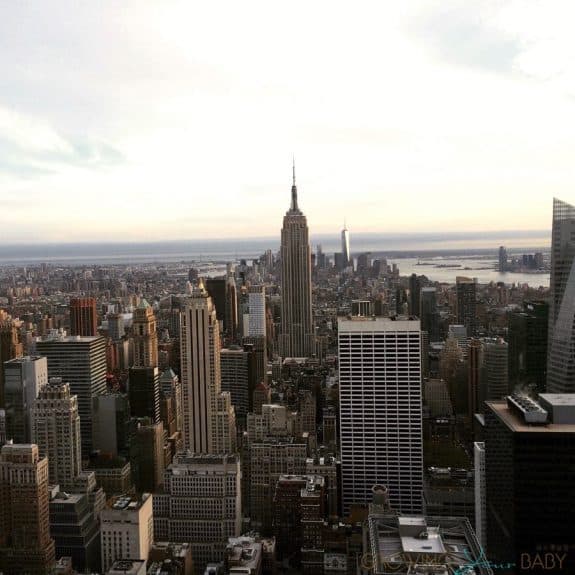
(515, 422)
(404, 544)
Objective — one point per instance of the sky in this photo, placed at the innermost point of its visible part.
(149, 120)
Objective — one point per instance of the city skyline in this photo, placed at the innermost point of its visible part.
(398, 113)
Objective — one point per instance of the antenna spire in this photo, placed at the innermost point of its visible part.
(294, 207)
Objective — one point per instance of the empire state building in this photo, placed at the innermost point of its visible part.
(297, 337)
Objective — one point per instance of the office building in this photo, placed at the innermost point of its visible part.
(200, 504)
(466, 292)
(75, 528)
(414, 295)
(111, 417)
(81, 362)
(561, 338)
(380, 410)
(488, 372)
(56, 431)
(345, 253)
(429, 314)
(297, 335)
(127, 529)
(236, 365)
(144, 336)
(83, 317)
(147, 455)
(24, 377)
(144, 392)
(209, 418)
(527, 337)
(257, 312)
(529, 474)
(25, 543)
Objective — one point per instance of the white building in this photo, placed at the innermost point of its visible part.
(127, 529)
(56, 431)
(480, 501)
(24, 377)
(201, 504)
(380, 410)
(257, 311)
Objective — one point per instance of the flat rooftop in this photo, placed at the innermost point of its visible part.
(516, 423)
(442, 544)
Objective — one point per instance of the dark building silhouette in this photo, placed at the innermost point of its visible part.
(528, 346)
(466, 291)
(144, 392)
(530, 474)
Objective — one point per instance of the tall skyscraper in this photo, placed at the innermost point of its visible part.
(345, 255)
(24, 377)
(83, 316)
(528, 345)
(56, 431)
(561, 341)
(10, 348)
(209, 419)
(381, 410)
(414, 295)
(145, 336)
(466, 290)
(297, 337)
(502, 259)
(236, 364)
(25, 543)
(428, 313)
(144, 392)
(81, 362)
(257, 311)
(530, 474)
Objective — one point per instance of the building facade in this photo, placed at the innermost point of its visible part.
(381, 410)
(297, 335)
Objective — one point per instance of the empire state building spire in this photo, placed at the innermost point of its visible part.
(294, 207)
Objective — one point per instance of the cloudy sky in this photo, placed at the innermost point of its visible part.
(164, 119)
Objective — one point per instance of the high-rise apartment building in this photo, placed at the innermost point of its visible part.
(530, 473)
(502, 259)
(381, 410)
(479, 487)
(25, 543)
(56, 431)
(83, 317)
(297, 335)
(561, 338)
(127, 529)
(24, 377)
(81, 362)
(209, 419)
(145, 336)
(147, 455)
(201, 504)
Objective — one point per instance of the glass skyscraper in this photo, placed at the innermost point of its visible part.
(561, 358)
